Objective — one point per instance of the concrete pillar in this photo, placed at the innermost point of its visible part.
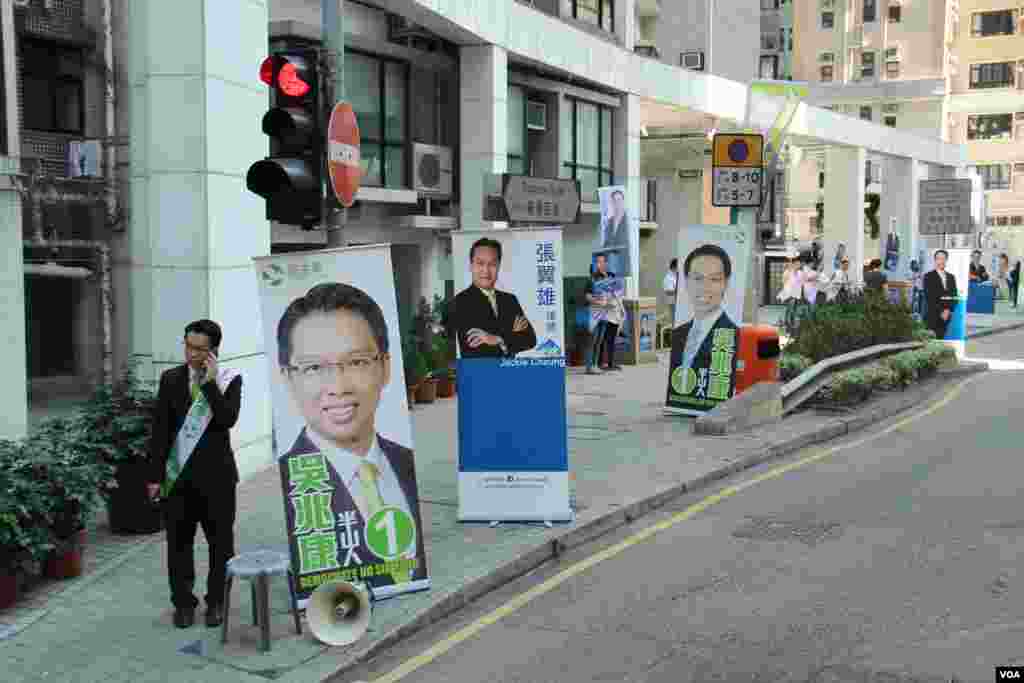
(844, 207)
(483, 85)
(196, 101)
(899, 210)
(626, 169)
(625, 23)
(13, 365)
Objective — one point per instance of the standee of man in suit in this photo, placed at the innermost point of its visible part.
(939, 289)
(488, 323)
(333, 351)
(194, 468)
(706, 273)
(615, 235)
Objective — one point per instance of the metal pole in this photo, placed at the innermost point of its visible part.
(333, 20)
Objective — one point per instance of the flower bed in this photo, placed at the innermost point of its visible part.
(854, 386)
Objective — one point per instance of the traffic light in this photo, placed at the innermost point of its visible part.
(291, 178)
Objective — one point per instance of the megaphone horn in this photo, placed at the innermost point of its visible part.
(339, 612)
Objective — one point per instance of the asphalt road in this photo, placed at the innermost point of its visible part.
(895, 558)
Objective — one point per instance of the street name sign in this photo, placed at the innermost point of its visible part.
(551, 201)
(737, 169)
(945, 207)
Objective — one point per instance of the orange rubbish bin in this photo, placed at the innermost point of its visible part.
(758, 356)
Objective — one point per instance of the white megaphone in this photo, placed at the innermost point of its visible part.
(339, 612)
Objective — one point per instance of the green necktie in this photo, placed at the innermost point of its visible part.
(369, 474)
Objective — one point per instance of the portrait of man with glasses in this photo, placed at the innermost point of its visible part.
(335, 360)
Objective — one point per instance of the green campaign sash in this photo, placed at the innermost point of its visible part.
(192, 429)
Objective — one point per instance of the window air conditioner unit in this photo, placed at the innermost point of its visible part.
(432, 170)
(893, 54)
(826, 58)
(890, 108)
(694, 60)
(536, 115)
(83, 159)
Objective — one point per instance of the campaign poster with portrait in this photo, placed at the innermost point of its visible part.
(343, 433)
(618, 231)
(958, 264)
(507, 316)
(713, 263)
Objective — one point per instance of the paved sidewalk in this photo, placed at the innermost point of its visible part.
(114, 622)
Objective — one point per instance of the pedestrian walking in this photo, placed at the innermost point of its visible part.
(670, 286)
(194, 470)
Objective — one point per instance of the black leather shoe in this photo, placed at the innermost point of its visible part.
(214, 616)
(184, 617)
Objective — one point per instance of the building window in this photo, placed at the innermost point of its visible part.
(990, 127)
(587, 156)
(867, 64)
(597, 12)
(828, 20)
(768, 41)
(870, 10)
(994, 75)
(993, 176)
(769, 67)
(827, 74)
(517, 150)
(768, 5)
(892, 69)
(865, 113)
(889, 121)
(378, 90)
(895, 14)
(1002, 220)
(1016, 220)
(997, 23)
(52, 87)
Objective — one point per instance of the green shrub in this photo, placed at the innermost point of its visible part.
(899, 370)
(867, 319)
(792, 365)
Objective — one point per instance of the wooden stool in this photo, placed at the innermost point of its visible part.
(257, 567)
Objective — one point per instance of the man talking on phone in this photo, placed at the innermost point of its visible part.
(194, 470)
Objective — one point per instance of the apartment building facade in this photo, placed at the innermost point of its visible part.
(947, 69)
(776, 42)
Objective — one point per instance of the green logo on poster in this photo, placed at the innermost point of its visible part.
(273, 275)
(684, 381)
(390, 533)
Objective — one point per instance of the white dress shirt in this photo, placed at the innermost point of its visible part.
(668, 285)
(346, 465)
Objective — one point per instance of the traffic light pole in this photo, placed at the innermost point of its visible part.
(333, 20)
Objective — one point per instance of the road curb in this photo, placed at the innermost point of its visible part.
(886, 407)
(995, 330)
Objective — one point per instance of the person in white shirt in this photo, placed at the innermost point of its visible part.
(334, 358)
(669, 286)
(839, 288)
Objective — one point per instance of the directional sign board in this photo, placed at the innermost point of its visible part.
(552, 201)
(945, 207)
(737, 170)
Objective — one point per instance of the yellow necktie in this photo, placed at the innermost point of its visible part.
(368, 475)
(492, 297)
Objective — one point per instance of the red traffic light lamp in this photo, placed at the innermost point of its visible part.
(290, 75)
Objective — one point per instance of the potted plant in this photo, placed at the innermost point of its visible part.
(413, 368)
(114, 428)
(442, 370)
(427, 390)
(74, 483)
(25, 535)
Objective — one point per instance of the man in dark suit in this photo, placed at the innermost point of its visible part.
(192, 462)
(489, 323)
(614, 239)
(706, 273)
(978, 272)
(939, 287)
(333, 351)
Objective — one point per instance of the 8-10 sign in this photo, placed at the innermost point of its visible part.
(737, 170)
